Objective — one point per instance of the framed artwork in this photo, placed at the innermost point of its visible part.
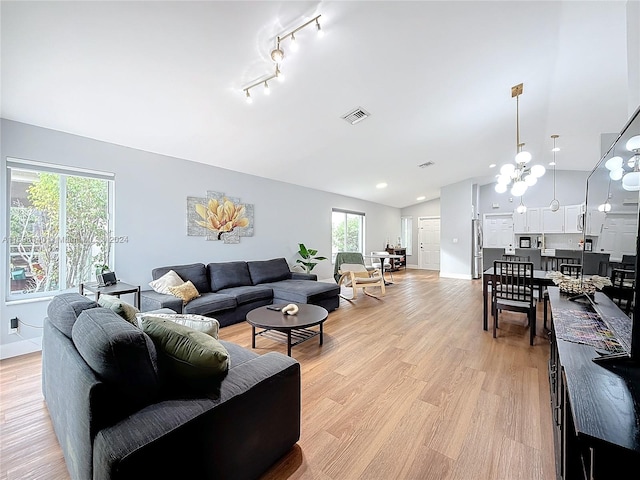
(218, 217)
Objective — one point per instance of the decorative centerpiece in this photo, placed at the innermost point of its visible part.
(576, 286)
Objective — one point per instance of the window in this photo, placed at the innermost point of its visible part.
(406, 233)
(59, 227)
(347, 232)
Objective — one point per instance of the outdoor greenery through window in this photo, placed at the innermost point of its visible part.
(59, 227)
(347, 232)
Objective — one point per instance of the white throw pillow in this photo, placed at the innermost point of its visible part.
(169, 279)
(207, 325)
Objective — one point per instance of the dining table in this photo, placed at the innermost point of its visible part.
(381, 257)
(540, 280)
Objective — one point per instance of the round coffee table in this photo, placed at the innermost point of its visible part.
(276, 325)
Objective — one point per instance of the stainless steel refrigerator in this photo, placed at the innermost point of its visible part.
(476, 249)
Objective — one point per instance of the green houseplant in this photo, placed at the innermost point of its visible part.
(308, 259)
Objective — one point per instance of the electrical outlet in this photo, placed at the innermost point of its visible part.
(13, 326)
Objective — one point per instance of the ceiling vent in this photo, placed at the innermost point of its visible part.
(425, 164)
(356, 116)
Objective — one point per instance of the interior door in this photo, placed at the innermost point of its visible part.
(429, 243)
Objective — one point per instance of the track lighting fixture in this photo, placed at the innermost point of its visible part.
(278, 55)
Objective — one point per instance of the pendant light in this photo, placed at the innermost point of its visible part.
(555, 204)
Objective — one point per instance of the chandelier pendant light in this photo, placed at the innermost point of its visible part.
(616, 166)
(555, 204)
(278, 55)
(520, 175)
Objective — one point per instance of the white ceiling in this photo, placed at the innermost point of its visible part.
(167, 77)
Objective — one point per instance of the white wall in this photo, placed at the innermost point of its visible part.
(455, 233)
(150, 208)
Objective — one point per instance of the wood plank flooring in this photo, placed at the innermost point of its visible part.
(406, 387)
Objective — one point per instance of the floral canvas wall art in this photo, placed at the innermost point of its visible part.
(218, 217)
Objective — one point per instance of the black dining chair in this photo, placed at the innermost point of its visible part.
(569, 269)
(513, 291)
(622, 288)
(516, 258)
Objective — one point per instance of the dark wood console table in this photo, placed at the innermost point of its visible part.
(595, 408)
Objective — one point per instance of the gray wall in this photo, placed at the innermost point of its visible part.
(150, 208)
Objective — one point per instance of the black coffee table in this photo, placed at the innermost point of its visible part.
(294, 329)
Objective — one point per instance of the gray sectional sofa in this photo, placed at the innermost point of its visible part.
(117, 414)
(229, 290)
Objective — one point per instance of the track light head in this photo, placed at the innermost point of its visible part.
(267, 90)
(294, 44)
(248, 96)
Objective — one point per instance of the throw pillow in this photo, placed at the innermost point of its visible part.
(124, 309)
(187, 291)
(169, 279)
(203, 324)
(188, 355)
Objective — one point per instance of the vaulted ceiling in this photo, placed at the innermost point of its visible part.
(436, 77)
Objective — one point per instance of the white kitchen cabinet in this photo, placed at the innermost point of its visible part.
(595, 222)
(553, 222)
(572, 221)
(528, 222)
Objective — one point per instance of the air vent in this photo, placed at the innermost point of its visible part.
(356, 116)
(630, 201)
(425, 164)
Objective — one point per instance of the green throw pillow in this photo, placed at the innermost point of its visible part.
(124, 309)
(190, 355)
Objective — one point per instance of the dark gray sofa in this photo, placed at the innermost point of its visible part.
(229, 290)
(117, 416)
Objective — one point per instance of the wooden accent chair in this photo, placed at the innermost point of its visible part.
(355, 275)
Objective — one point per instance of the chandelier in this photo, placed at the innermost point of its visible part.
(519, 175)
(616, 166)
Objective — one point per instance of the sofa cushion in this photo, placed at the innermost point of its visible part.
(303, 291)
(263, 271)
(120, 354)
(63, 310)
(169, 279)
(189, 356)
(186, 292)
(122, 308)
(249, 294)
(209, 303)
(196, 272)
(228, 274)
(203, 324)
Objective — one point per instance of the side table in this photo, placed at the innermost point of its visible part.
(118, 289)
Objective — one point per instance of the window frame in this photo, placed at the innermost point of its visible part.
(406, 233)
(361, 235)
(64, 172)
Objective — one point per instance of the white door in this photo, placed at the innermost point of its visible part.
(429, 240)
(619, 235)
(498, 230)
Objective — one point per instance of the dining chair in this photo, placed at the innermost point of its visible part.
(383, 264)
(356, 275)
(622, 288)
(573, 270)
(513, 291)
(516, 258)
(553, 263)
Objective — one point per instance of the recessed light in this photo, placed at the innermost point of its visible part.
(381, 185)
(493, 165)
(421, 198)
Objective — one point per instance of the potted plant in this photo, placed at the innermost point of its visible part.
(308, 259)
(101, 268)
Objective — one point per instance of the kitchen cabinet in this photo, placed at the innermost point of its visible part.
(553, 222)
(573, 220)
(528, 222)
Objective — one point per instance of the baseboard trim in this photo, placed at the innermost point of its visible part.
(459, 276)
(22, 347)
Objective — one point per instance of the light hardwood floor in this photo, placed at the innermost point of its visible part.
(407, 387)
